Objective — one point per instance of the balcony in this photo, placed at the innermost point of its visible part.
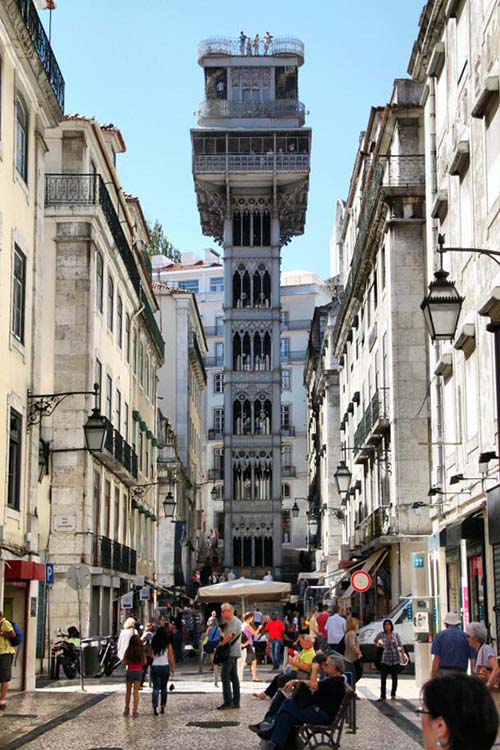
(44, 50)
(288, 471)
(287, 431)
(404, 171)
(216, 475)
(216, 434)
(214, 109)
(90, 190)
(119, 456)
(222, 163)
(375, 525)
(214, 361)
(295, 325)
(211, 331)
(114, 556)
(196, 356)
(374, 423)
(293, 357)
(227, 47)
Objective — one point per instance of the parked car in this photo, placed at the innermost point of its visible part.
(402, 625)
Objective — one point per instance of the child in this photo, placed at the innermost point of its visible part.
(134, 661)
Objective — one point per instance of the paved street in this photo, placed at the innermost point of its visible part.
(59, 716)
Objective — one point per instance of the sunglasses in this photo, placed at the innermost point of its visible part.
(421, 710)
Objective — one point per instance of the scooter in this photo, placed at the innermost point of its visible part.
(67, 656)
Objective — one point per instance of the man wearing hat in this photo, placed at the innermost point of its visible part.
(450, 650)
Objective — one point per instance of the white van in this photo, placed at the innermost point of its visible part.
(403, 626)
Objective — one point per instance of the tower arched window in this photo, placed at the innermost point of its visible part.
(241, 287)
(237, 551)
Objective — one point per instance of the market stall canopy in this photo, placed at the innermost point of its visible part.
(245, 588)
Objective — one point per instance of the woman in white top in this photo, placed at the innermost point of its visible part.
(162, 665)
(125, 636)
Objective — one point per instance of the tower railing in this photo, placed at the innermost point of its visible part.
(219, 108)
(218, 45)
(212, 164)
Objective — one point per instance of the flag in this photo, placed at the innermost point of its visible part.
(45, 4)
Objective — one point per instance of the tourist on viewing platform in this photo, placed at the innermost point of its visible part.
(458, 713)
(450, 649)
(267, 42)
(256, 44)
(243, 40)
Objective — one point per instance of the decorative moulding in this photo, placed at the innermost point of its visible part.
(436, 62)
(460, 159)
(466, 339)
(445, 365)
(490, 89)
(440, 205)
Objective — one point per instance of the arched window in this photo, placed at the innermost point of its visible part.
(237, 551)
(241, 288)
(266, 229)
(22, 140)
(247, 551)
(242, 417)
(237, 229)
(261, 287)
(263, 416)
(246, 228)
(268, 551)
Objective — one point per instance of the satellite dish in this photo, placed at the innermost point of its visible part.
(78, 577)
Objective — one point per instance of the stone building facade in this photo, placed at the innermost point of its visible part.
(31, 100)
(456, 58)
(380, 344)
(251, 167)
(99, 328)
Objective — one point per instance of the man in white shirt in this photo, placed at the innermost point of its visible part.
(335, 631)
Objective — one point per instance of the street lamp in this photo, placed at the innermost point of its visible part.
(442, 307)
(343, 478)
(214, 494)
(169, 505)
(313, 523)
(96, 429)
(295, 510)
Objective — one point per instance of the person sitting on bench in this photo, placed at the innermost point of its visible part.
(324, 704)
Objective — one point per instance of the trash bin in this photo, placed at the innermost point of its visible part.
(90, 660)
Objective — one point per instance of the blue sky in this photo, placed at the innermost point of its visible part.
(134, 64)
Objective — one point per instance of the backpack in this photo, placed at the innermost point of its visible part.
(19, 637)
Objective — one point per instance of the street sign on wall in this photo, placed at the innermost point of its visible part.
(361, 581)
(49, 574)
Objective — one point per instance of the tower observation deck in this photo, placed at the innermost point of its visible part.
(250, 160)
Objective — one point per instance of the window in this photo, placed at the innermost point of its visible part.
(492, 148)
(146, 382)
(18, 295)
(219, 420)
(285, 526)
(22, 125)
(109, 397)
(125, 421)
(284, 319)
(219, 459)
(146, 461)
(99, 281)
(286, 379)
(219, 325)
(141, 449)
(124, 518)
(118, 409)
(286, 416)
(286, 456)
(285, 490)
(285, 349)
(219, 382)
(141, 363)
(217, 284)
(98, 379)
(471, 415)
(219, 353)
(116, 514)
(465, 201)
(462, 27)
(15, 443)
(107, 508)
(190, 285)
(111, 302)
(127, 337)
(119, 320)
(96, 503)
(134, 351)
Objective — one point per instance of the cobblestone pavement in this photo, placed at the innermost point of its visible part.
(59, 717)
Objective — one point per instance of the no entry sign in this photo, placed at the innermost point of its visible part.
(361, 581)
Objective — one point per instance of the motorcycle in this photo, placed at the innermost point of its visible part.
(107, 656)
(67, 656)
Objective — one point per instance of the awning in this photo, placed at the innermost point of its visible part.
(24, 570)
(314, 575)
(370, 565)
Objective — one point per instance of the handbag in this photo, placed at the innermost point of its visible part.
(221, 653)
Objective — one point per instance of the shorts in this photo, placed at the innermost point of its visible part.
(6, 667)
(133, 676)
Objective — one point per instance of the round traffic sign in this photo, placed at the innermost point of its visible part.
(361, 581)
(78, 576)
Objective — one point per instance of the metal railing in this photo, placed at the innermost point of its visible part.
(112, 555)
(216, 474)
(297, 356)
(90, 189)
(216, 434)
(219, 45)
(195, 348)
(295, 325)
(214, 361)
(288, 431)
(211, 331)
(216, 163)
(404, 171)
(288, 471)
(44, 50)
(119, 449)
(375, 525)
(218, 108)
(375, 416)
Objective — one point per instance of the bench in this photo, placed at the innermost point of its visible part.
(328, 736)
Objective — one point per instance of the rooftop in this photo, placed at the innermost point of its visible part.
(251, 47)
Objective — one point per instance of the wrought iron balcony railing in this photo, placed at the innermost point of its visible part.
(216, 434)
(194, 348)
(214, 361)
(404, 171)
(217, 163)
(211, 331)
(218, 46)
(216, 474)
(119, 455)
(290, 357)
(374, 421)
(288, 431)
(288, 471)
(88, 190)
(375, 525)
(44, 50)
(223, 108)
(112, 555)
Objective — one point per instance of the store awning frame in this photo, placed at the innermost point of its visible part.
(370, 565)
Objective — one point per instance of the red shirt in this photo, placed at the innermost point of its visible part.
(275, 628)
(321, 620)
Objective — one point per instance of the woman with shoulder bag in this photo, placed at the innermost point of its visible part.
(486, 665)
(249, 631)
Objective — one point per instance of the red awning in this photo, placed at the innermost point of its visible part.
(24, 570)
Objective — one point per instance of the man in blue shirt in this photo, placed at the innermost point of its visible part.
(450, 650)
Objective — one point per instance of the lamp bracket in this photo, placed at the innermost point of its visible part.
(44, 404)
(441, 249)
